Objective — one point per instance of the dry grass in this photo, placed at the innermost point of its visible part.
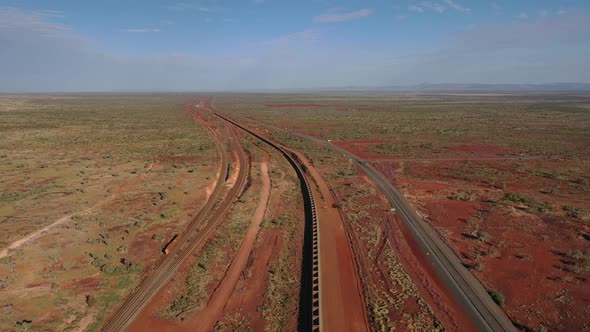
(119, 168)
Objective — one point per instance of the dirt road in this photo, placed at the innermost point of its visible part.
(193, 238)
(205, 320)
(468, 291)
(341, 302)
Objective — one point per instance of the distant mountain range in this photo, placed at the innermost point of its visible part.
(505, 87)
(476, 87)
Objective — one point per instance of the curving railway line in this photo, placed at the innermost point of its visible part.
(192, 238)
(310, 304)
(195, 235)
(468, 291)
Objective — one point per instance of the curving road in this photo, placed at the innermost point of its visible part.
(486, 315)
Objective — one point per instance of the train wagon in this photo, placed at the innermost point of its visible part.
(170, 244)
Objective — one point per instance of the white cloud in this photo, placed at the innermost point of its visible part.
(38, 54)
(523, 16)
(457, 6)
(14, 21)
(182, 6)
(552, 30)
(434, 6)
(427, 5)
(306, 36)
(341, 17)
(143, 30)
(416, 9)
(553, 49)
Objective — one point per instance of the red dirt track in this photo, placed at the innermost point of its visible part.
(190, 242)
(205, 320)
(300, 105)
(342, 302)
(343, 306)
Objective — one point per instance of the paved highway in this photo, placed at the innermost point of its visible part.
(486, 315)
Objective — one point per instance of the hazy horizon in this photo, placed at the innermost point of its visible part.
(423, 88)
(70, 46)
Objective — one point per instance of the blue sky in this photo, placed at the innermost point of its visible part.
(106, 45)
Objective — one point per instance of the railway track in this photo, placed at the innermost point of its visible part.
(311, 295)
(191, 239)
(468, 291)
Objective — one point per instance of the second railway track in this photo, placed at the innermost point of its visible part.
(310, 303)
(310, 315)
(192, 238)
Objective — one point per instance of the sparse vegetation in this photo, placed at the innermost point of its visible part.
(282, 293)
(519, 201)
(84, 160)
(582, 260)
(497, 297)
(60, 156)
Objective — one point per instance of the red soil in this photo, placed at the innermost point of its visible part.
(524, 255)
(343, 307)
(362, 148)
(430, 288)
(249, 293)
(300, 105)
(482, 149)
(205, 320)
(83, 285)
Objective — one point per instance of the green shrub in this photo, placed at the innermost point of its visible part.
(90, 300)
(497, 297)
(516, 198)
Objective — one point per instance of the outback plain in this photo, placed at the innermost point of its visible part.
(201, 212)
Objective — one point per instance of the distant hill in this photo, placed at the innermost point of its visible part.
(475, 87)
(503, 87)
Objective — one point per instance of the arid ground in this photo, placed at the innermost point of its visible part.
(502, 178)
(151, 212)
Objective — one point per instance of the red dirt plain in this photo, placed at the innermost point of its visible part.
(510, 246)
(235, 299)
(206, 319)
(300, 105)
(519, 221)
(362, 148)
(425, 302)
(482, 150)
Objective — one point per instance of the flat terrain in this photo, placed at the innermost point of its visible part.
(94, 187)
(502, 179)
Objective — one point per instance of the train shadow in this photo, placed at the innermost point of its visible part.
(304, 321)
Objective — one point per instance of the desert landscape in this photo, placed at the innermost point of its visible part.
(314, 166)
(502, 180)
(166, 212)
